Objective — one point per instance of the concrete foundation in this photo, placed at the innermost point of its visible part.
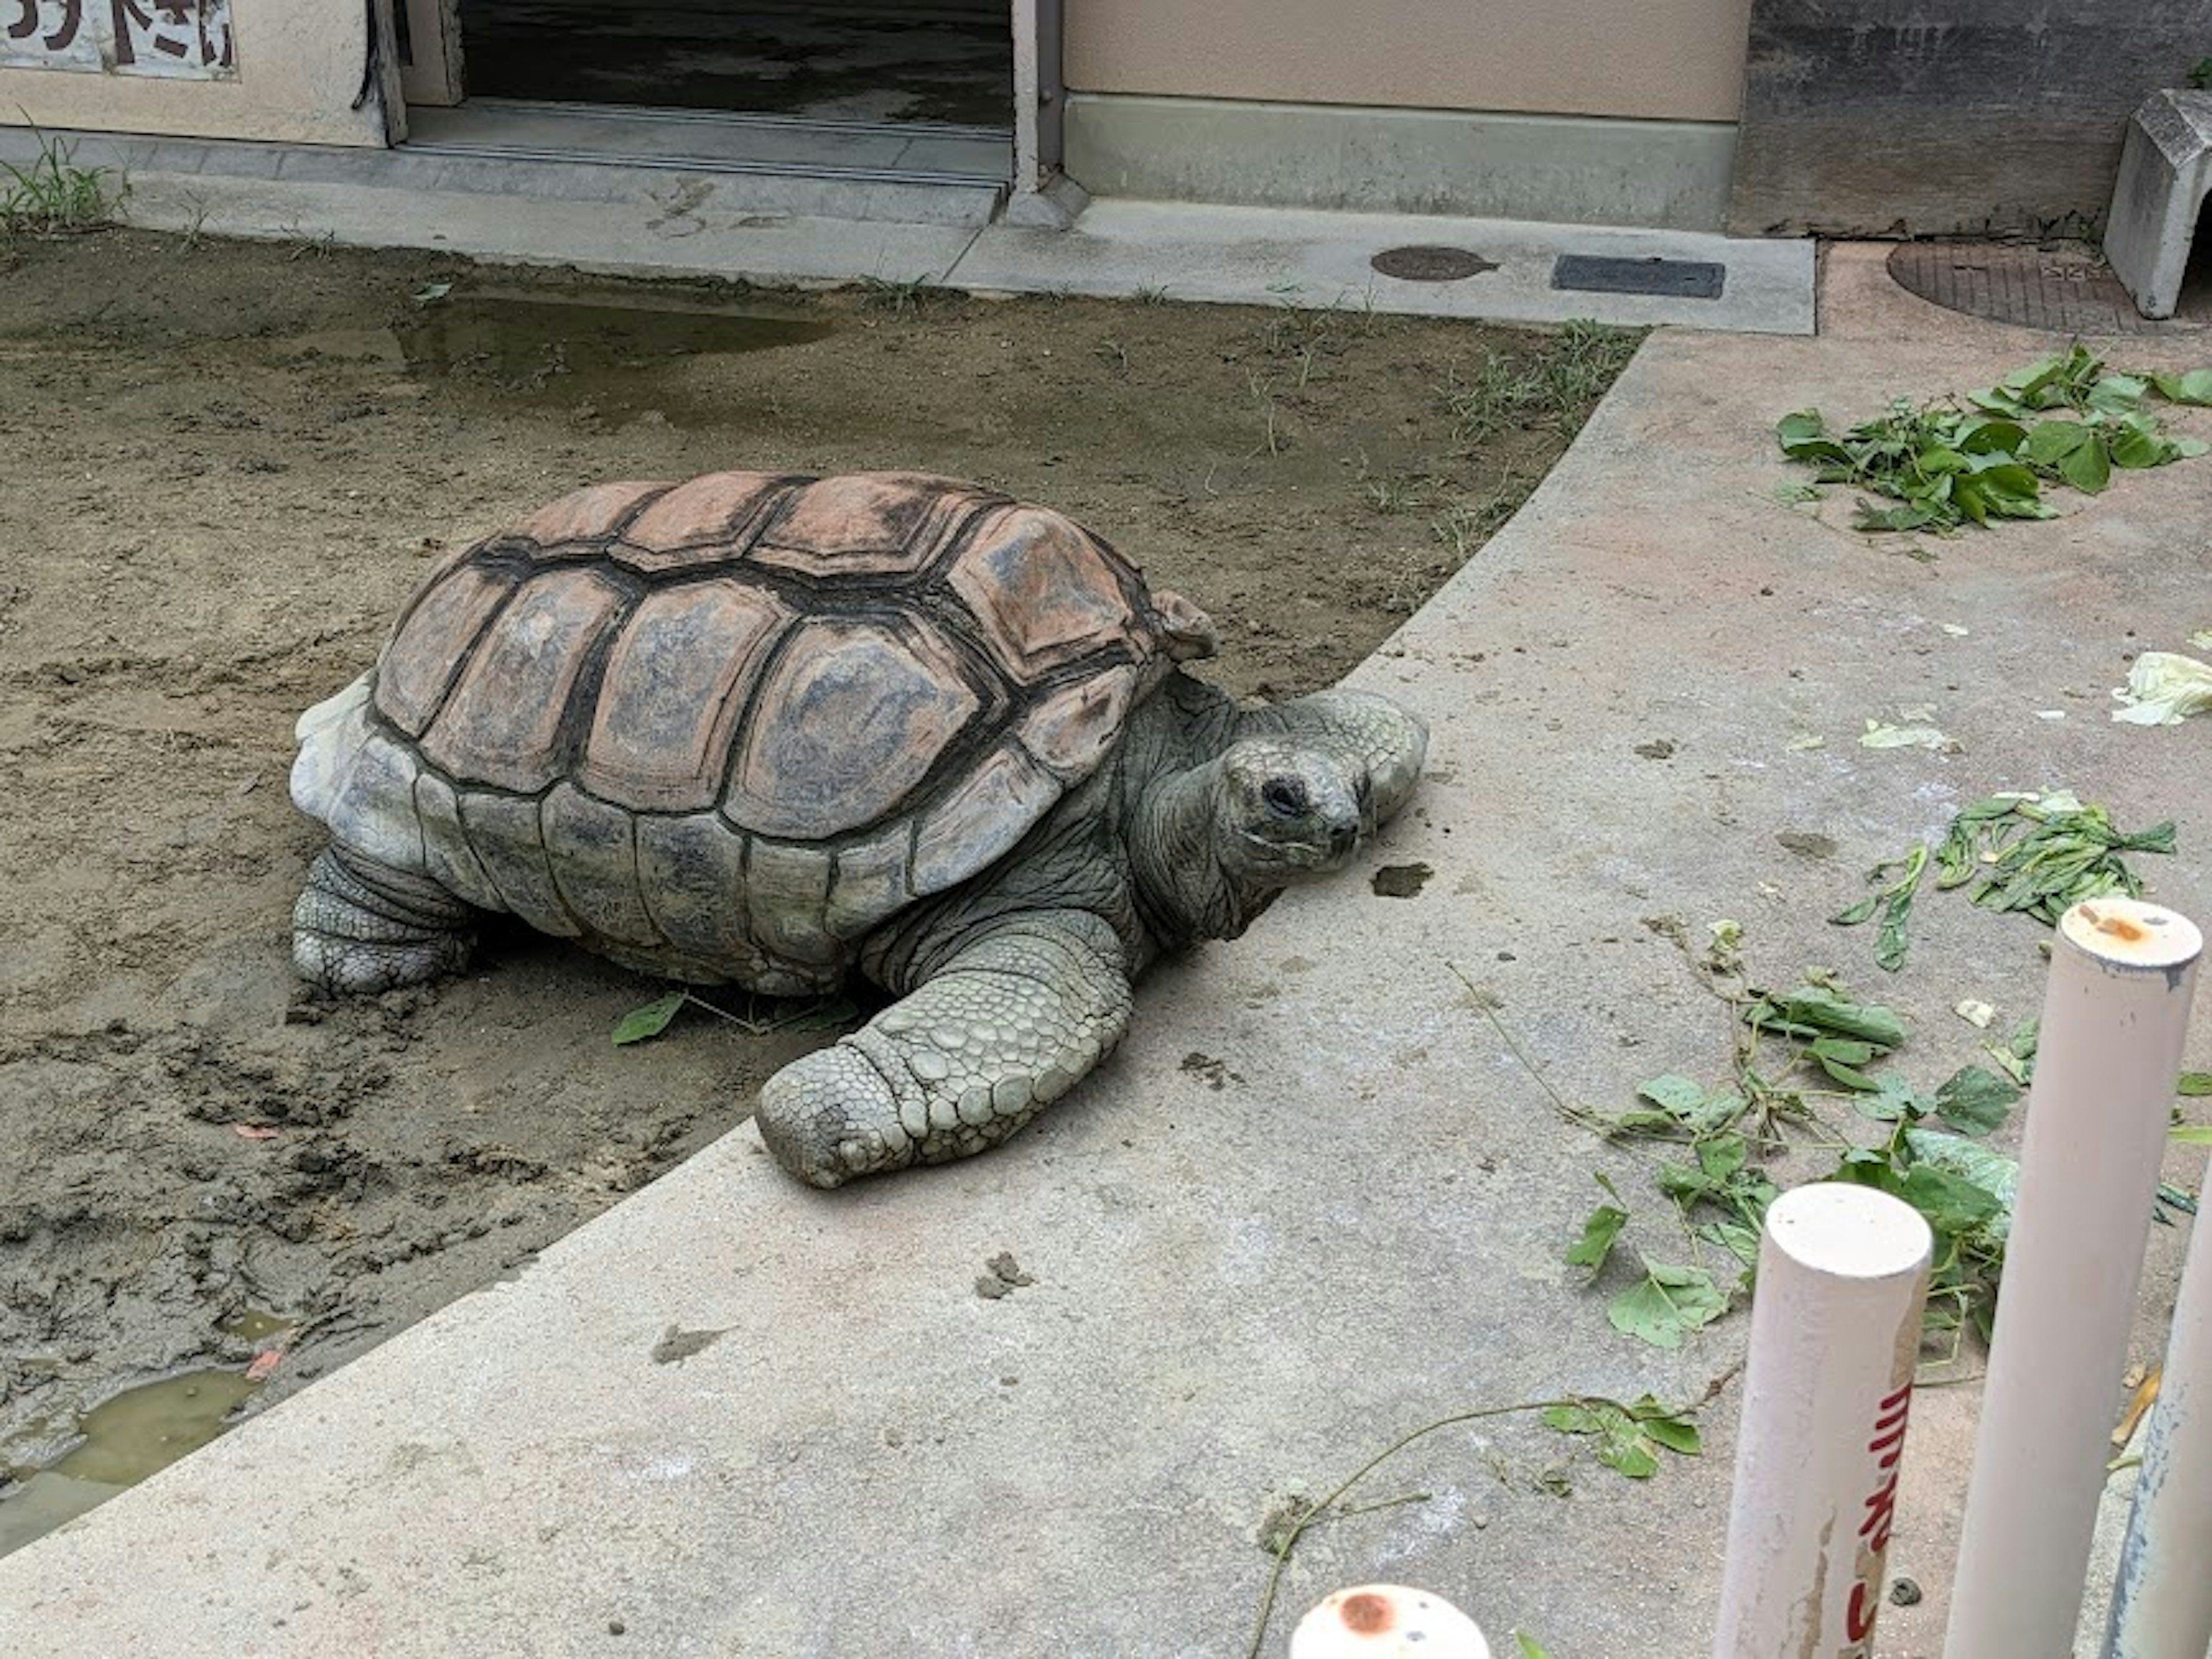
(1558, 168)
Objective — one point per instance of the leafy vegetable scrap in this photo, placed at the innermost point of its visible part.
(1947, 463)
(2039, 853)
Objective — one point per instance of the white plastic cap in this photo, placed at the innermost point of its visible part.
(1387, 1621)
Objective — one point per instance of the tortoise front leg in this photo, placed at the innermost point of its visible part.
(1007, 1025)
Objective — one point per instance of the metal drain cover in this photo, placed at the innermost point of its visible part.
(1674, 279)
(2066, 290)
(1432, 265)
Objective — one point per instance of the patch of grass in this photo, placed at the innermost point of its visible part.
(899, 298)
(1467, 525)
(1556, 386)
(54, 197)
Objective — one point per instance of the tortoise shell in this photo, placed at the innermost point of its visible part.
(724, 729)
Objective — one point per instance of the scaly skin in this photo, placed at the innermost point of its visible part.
(362, 927)
(1007, 1025)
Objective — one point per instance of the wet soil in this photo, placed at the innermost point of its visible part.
(228, 464)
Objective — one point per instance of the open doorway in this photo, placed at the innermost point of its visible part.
(938, 62)
(887, 90)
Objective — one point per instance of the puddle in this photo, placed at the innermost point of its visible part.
(139, 1432)
(609, 356)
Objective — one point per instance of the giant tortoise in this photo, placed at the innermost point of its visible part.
(767, 730)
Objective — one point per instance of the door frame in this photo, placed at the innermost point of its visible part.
(435, 73)
(432, 74)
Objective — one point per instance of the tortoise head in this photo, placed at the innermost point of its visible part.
(1287, 812)
(1305, 783)
(1291, 797)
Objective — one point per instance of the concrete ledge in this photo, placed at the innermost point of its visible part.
(1302, 257)
(1571, 169)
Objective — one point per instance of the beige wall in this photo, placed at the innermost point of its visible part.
(298, 68)
(1662, 59)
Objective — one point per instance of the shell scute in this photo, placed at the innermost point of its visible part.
(867, 524)
(592, 515)
(1045, 592)
(702, 522)
(673, 692)
(850, 718)
(434, 640)
(980, 821)
(504, 834)
(502, 723)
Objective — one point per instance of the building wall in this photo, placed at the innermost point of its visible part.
(1900, 117)
(294, 68)
(1679, 60)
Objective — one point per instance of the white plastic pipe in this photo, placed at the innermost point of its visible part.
(1835, 1328)
(1387, 1621)
(2113, 1017)
(2162, 1599)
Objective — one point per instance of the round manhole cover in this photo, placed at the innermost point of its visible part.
(1432, 265)
(2065, 289)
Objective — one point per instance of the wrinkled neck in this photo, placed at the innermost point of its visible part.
(1184, 888)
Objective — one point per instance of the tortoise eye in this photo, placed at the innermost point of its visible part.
(1283, 797)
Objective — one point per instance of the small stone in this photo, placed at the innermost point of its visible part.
(1905, 1592)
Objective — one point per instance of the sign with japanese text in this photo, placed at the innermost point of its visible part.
(180, 40)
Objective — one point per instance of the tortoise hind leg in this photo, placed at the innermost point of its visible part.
(360, 925)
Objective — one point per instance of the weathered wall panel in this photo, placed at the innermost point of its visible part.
(1919, 118)
(1670, 60)
(289, 69)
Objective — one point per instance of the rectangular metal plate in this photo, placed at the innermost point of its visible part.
(1676, 279)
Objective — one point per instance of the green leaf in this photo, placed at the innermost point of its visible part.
(1676, 1436)
(1530, 1647)
(2190, 1134)
(1629, 1451)
(1600, 1229)
(2089, 468)
(1815, 1006)
(1667, 1302)
(1863, 911)
(2195, 386)
(1738, 1238)
(1572, 1419)
(650, 1021)
(2052, 440)
(1894, 1101)
(1989, 434)
(2194, 1083)
(1913, 517)
(1722, 1157)
(2116, 394)
(1841, 1059)
(1993, 1174)
(2134, 447)
(1975, 1099)
(1805, 437)
(1674, 1093)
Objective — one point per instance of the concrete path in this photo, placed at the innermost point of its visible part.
(1318, 1202)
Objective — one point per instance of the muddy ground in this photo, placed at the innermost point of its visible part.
(227, 465)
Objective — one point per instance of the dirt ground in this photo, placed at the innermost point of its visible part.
(228, 464)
